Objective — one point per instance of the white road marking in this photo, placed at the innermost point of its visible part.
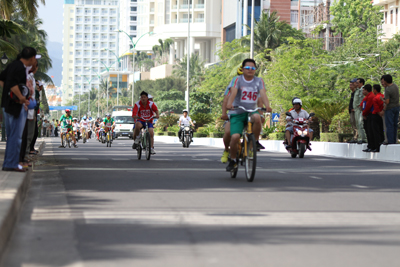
(119, 159)
(282, 172)
(322, 159)
(79, 158)
(315, 177)
(359, 186)
(201, 159)
(248, 219)
(280, 159)
(162, 159)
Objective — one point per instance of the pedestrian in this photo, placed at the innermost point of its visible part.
(358, 97)
(352, 111)
(14, 103)
(56, 129)
(376, 119)
(52, 127)
(39, 87)
(40, 127)
(367, 108)
(391, 108)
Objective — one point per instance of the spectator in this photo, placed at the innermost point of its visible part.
(358, 97)
(391, 108)
(367, 108)
(52, 127)
(376, 119)
(14, 102)
(56, 129)
(352, 113)
(39, 87)
(40, 127)
(45, 126)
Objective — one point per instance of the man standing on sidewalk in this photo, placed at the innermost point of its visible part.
(391, 108)
(352, 111)
(358, 97)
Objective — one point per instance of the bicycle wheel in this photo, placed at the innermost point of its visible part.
(69, 142)
(148, 146)
(139, 150)
(187, 141)
(251, 158)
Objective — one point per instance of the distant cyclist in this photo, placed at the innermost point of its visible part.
(109, 123)
(85, 126)
(144, 110)
(66, 122)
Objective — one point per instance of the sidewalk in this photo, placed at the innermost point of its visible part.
(13, 189)
(390, 153)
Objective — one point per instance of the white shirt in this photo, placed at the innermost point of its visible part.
(302, 114)
(84, 124)
(185, 121)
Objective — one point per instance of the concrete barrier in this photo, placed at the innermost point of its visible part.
(340, 150)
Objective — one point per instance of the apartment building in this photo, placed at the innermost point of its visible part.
(127, 23)
(89, 29)
(391, 19)
(169, 19)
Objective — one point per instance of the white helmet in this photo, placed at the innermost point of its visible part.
(297, 101)
(150, 96)
(185, 110)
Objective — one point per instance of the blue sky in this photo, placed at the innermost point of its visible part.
(52, 16)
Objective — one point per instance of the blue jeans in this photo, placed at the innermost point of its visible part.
(391, 120)
(14, 129)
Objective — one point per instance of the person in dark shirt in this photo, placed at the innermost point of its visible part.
(14, 111)
(352, 113)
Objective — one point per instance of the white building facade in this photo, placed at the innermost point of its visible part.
(169, 19)
(391, 17)
(89, 31)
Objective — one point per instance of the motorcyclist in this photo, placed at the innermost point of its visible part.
(184, 120)
(296, 112)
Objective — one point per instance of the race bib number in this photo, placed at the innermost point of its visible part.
(249, 95)
(145, 113)
(84, 124)
(68, 122)
(108, 124)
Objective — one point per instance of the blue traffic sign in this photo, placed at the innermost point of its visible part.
(275, 117)
(63, 107)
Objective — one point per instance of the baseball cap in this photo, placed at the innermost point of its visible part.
(353, 80)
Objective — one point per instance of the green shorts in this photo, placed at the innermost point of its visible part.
(238, 122)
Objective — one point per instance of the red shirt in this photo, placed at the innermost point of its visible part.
(368, 100)
(144, 112)
(378, 103)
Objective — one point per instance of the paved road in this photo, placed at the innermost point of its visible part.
(99, 206)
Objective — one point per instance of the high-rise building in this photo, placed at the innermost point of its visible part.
(391, 17)
(169, 19)
(89, 34)
(128, 24)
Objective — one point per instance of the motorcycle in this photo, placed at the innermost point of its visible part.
(300, 139)
(187, 135)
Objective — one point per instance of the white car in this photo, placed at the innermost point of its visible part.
(123, 123)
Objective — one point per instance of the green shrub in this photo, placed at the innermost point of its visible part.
(199, 135)
(329, 137)
(167, 120)
(201, 118)
(217, 135)
(276, 136)
(171, 133)
(174, 128)
(158, 129)
(268, 130)
(159, 133)
(341, 123)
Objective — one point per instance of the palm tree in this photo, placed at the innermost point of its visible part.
(163, 49)
(28, 8)
(196, 68)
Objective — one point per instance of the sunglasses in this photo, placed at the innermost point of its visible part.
(249, 68)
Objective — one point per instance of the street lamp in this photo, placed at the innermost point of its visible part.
(4, 60)
(133, 60)
(118, 60)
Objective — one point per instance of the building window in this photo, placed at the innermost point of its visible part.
(133, 28)
(391, 16)
(385, 17)
(397, 15)
(71, 19)
(71, 44)
(133, 9)
(230, 33)
(133, 18)
(294, 16)
(71, 28)
(71, 53)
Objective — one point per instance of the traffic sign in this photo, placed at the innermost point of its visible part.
(275, 117)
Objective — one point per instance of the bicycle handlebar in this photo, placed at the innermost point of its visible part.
(249, 110)
(140, 118)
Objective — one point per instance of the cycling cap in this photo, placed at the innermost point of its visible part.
(185, 110)
(150, 96)
(297, 101)
(84, 117)
(108, 115)
(74, 119)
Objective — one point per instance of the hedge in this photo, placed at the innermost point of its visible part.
(329, 137)
(217, 135)
(199, 135)
(276, 136)
(159, 133)
(171, 133)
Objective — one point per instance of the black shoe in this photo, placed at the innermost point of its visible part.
(61, 147)
(134, 146)
(375, 151)
(231, 166)
(352, 142)
(260, 146)
(288, 147)
(367, 150)
(364, 142)
(75, 146)
(384, 143)
(359, 142)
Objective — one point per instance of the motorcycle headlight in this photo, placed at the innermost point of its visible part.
(299, 132)
(305, 132)
(187, 128)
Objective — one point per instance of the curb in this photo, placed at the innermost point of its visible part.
(13, 190)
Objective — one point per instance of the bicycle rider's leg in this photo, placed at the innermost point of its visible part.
(288, 133)
(227, 135)
(256, 120)
(138, 126)
(237, 123)
(73, 137)
(151, 131)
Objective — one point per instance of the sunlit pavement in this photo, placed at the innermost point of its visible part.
(99, 206)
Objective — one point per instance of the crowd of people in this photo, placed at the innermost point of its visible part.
(20, 105)
(374, 115)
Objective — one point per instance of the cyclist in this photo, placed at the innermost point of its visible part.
(144, 110)
(245, 92)
(76, 128)
(108, 121)
(84, 124)
(97, 127)
(184, 120)
(296, 112)
(66, 122)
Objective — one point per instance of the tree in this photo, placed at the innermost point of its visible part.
(171, 101)
(162, 50)
(28, 8)
(196, 69)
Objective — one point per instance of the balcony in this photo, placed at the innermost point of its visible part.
(199, 6)
(199, 20)
(184, 20)
(174, 7)
(185, 6)
(152, 10)
(152, 22)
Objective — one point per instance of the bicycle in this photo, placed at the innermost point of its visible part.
(84, 135)
(109, 138)
(247, 148)
(144, 140)
(66, 138)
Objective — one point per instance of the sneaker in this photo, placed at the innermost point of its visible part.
(231, 166)
(288, 147)
(134, 146)
(61, 147)
(152, 151)
(137, 140)
(75, 146)
(224, 158)
(260, 146)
